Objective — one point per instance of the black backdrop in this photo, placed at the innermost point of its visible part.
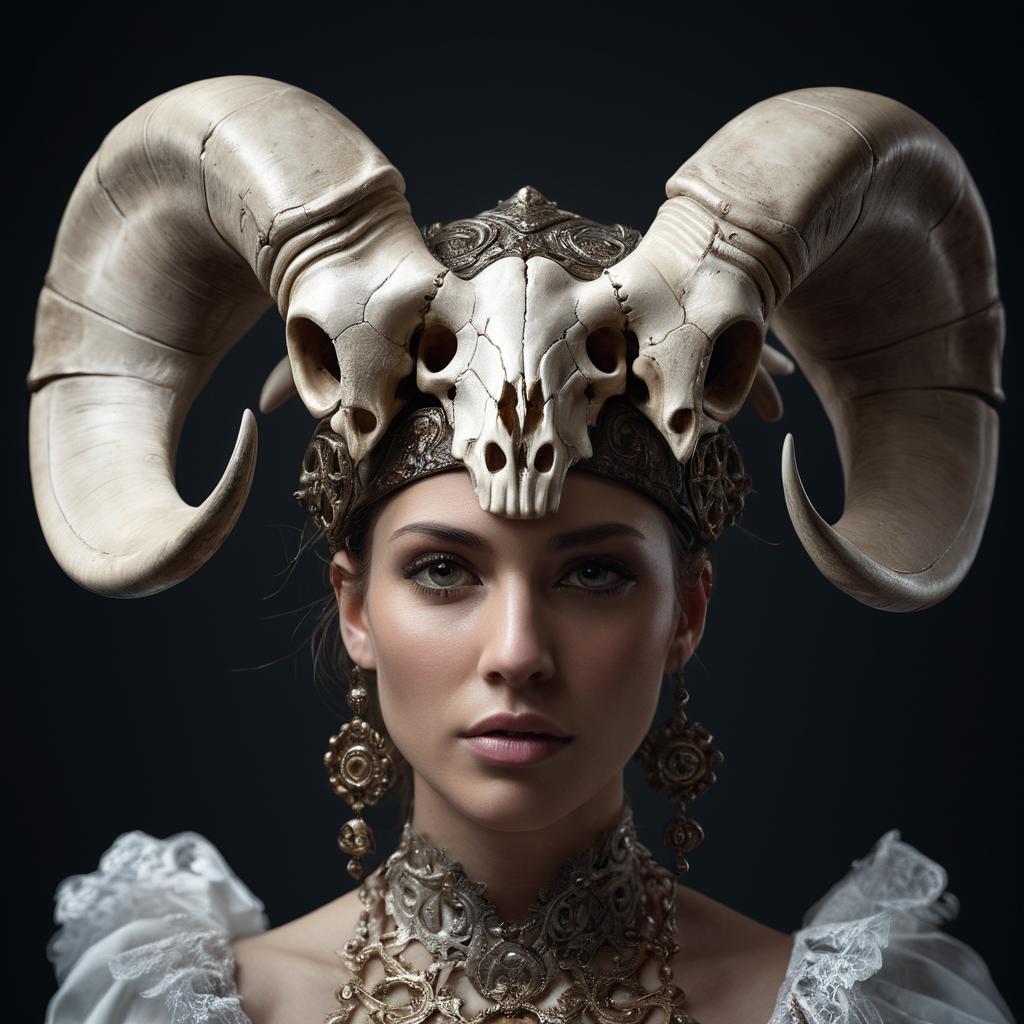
(187, 710)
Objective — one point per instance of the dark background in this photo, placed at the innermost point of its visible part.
(195, 709)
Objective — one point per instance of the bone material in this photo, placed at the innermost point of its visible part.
(850, 224)
(840, 218)
(199, 209)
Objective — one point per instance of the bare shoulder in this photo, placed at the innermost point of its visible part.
(291, 972)
(730, 966)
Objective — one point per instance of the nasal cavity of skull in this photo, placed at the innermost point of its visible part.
(314, 361)
(606, 348)
(534, 407)
(544, 458)
(636, 387)
(507, 408)
(494, 457)
(731, 368)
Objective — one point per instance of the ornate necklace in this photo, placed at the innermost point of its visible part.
(605, 925)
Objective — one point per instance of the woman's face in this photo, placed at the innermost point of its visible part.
(467, 613)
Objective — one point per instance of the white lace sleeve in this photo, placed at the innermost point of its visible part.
(872, 950)
(146, 938)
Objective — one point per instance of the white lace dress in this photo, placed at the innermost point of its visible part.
(146, 940)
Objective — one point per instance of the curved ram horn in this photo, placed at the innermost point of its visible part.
(198, 210)
(278, 387)
(858, 227)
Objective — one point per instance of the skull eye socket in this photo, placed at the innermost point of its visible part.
(731, 368)
(437, 347)
(606, 348)
(314, 360)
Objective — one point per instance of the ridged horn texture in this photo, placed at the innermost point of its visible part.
(872, 253)
(198, 210)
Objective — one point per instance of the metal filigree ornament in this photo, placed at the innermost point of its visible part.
(678, 760)
(701, 497)
(326, 479)
(529, 224)
(586, 939)
(718, 483)
(360, 769)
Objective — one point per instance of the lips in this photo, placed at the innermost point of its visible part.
(508, 732)
(516, 750)
(526, 725)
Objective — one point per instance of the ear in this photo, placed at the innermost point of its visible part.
(352, 613)
(692, 616)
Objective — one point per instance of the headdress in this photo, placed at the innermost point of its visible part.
(519, 344)
(842, 219)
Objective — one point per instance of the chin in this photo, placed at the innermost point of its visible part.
(512, 805)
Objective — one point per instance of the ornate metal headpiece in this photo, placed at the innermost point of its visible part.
(529, 224)
(701, 497)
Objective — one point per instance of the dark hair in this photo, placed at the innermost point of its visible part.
(332, 664)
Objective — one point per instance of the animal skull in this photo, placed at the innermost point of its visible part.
(842, 218)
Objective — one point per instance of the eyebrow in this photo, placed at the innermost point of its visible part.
(573, 538)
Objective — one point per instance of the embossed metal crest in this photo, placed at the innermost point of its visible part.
(528, 224)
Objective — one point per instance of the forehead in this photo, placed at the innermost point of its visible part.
(586, 499)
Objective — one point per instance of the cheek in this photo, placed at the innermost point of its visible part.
(619, 683)
(633, 639)
(629, 639)
(617, 670)
(420, 662)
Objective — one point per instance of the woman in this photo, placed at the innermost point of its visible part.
(537, 338)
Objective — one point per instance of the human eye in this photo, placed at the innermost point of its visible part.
(433, 575)
(597, 571)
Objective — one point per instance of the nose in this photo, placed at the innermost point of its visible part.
(517, 647)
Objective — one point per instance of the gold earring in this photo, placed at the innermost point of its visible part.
(360, 768)
(678, 759)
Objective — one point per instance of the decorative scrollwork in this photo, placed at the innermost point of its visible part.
(528, 224)
(612, 898)
(327, 479)
(701, 496)
(718, 483)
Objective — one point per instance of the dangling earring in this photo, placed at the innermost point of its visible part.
(360, 768)
(678, 758)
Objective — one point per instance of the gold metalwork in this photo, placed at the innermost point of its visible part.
(678, 759)
(584, 942)
(360, 769)
(701, 497)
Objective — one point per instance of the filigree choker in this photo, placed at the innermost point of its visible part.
(429, 941)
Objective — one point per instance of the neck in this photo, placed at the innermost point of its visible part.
(514, 863)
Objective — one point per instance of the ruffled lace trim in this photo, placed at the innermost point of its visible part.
(193, 971)
(183, 882)
(845, 932)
